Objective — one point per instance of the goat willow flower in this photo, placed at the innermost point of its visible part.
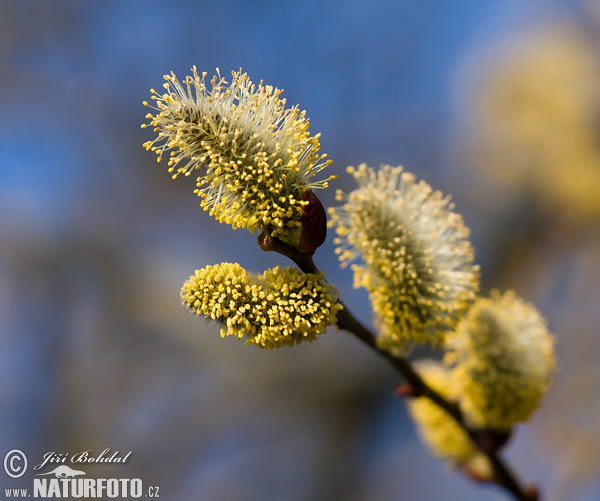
(258, 155)
(417, 259)
(281, 307)
(503, 360)
(439, 431)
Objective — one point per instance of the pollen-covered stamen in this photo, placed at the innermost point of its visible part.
(281, 307)
(417, 261)
(258, 155)
(503, 359)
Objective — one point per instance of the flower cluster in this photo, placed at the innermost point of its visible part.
(281, 307)
(417, 261)
(503, 360)
(533, 118)
(439, 431)
(258, 156)
(406, 245)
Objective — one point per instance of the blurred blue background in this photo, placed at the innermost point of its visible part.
(96, 350)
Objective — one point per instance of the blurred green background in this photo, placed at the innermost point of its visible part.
(494, 102)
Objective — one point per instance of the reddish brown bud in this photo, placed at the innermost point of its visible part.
(405, 390)
(532, 492)
(491, 440)
(314, 223)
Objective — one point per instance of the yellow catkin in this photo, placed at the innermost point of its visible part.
(256, 157)
(503, 359)
(281, 307)
(440, 432)
(413, 254)
(533, 119)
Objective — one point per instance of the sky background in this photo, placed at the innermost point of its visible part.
(96, 350)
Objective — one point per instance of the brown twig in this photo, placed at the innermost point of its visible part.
(503, 476)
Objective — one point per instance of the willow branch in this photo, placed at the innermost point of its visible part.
(503, 476)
